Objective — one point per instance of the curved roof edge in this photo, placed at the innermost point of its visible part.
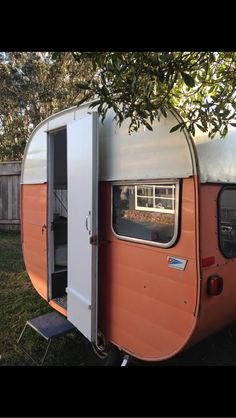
(142, 155)
(216, 157)
(43, 123)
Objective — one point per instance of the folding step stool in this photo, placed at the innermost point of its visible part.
(49, 326)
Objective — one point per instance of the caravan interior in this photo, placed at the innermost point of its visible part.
(57, 216)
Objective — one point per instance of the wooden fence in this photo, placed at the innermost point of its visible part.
(10, 195)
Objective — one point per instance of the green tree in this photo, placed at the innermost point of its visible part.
(143, 86)
(140, 86)
(32, 87)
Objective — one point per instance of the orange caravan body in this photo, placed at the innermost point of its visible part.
(134, 236)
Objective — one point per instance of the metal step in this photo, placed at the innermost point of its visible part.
(49, 326)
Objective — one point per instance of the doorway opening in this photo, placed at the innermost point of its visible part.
(57, 213)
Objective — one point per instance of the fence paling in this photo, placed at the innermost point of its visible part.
(9, 195)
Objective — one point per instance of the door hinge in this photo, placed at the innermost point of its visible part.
(93, 240)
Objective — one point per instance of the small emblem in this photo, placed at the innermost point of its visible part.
(176, 263)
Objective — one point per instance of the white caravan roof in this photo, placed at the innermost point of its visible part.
(142, 155)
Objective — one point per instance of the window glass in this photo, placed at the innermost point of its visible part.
(145, 212)
(227, 222)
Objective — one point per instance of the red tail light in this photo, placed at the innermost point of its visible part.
(214, 285)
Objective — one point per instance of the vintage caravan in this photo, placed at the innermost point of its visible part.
(131, 237)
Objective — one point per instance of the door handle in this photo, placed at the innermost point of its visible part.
(88, 223)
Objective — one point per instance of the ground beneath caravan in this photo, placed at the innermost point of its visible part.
(20, 302)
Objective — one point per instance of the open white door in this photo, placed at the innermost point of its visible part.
(82, 168)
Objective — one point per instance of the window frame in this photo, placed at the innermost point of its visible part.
(177, 218)
(224, 187)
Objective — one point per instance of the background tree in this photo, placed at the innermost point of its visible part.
(142, 86)
(32, 87)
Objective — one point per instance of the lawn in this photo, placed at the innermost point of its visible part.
(19, 302)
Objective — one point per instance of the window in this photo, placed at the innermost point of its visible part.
(155, 198)
(146, 212)
(227, 221)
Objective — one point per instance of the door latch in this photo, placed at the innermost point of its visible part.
(44, 227)
(93, 240)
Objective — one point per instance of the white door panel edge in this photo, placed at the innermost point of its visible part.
(82, 155)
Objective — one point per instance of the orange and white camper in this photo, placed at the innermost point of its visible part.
(131, 237)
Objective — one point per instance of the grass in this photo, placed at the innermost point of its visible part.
(19, 302)
(11, 260)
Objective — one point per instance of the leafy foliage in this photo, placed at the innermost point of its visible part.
(140, 86)
(143, 86)
(32, 87)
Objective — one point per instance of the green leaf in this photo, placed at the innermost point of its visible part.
(188, 79)
(160, 75)
(82, 86)
(233, 124)
(225, 131)
(204, 123)
(226, 113)
(83, 100)
(143, 114)
(165, 56)
(56, 56)
(192, 129)
(201, 127)
(94, 103)
(163, 111)
(176, 127)
(148, 126)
